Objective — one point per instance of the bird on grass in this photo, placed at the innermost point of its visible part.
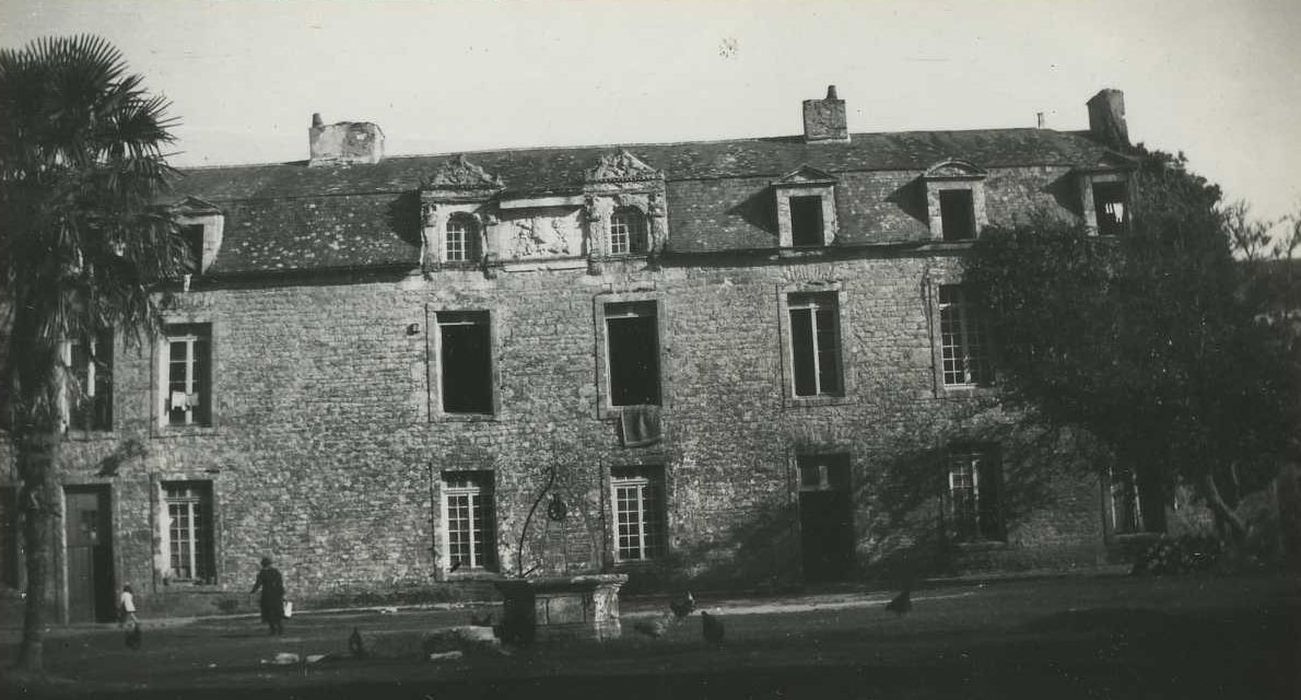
(134, 637)
(683, 605)
(901, 603)
(355, 644)
(712, 627)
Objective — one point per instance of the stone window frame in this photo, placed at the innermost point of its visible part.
(492, 544)
(433, 367)
(604, 409)
(467, 243)
(203, 534)
(437, 215)
(805, 181)
(644, 462)
(953, 174)
(787, 349)
(159, 519)
(196, 212)
(992, 452)
(65, 400)
(636, 235)
(1088, 208)
(160, 374)
(933, 309)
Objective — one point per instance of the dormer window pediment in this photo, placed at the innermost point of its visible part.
(1109, 162)
(460, 176)
(621, 167)
(805, 175)
(954, 169)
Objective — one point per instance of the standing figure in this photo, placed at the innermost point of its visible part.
(126, 608)
(272, 585)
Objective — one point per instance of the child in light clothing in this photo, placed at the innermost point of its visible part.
(126, 608)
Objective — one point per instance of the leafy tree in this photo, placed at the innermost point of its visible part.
(82, 243)
(1147, 340)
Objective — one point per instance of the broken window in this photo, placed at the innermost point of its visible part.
(465, 361)
(1109, 205)
(815, 344)
(632, 335)
(462, 242)
(964, 347)
(188, 400)
(190, 530)
(806, 221)
(975, 480)
(1136, 504)
(638, 498)
(957, 215)
(90, 393)
(468, 515)
(627, 231)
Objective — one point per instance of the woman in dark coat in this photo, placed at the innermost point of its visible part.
(272, 585)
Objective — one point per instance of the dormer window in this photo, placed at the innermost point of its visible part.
(1110, 207)
(201, 225)
(955, 200)
(462, 239)
(193, 234)
(627, 231)
(806, 208)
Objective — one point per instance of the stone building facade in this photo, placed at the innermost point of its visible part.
(736, 363)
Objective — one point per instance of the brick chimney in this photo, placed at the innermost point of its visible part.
(1107, 118)
(824, 120)
(344, 142)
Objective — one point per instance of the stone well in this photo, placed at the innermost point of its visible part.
(561, 607)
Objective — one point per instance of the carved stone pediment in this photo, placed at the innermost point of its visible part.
(805, 175)
(954, 169)
(459, 174)
(193, 206)
(1109, 161)
(621, 167)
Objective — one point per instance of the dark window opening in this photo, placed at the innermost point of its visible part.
(806, 221)
(975, 486)
(957, 215)
(9, 536)
(465, 362)
(633, 338)
(189, 375)
(815, 344)
(193, 234)
(90, 400)
(1109, 204)
(826, 517)
(1137, 503)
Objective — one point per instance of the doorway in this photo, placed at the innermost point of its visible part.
(88, 533)
(826, 518)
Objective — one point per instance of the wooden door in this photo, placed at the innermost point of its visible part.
(89, 537)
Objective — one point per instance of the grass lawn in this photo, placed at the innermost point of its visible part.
(1103, 637)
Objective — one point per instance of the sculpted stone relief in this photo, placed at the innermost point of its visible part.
(552, 234)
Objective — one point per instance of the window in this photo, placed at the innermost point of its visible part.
(468, 515)
(188, 400)
(90, 394)
(815, 344)
(806, 221)
(1135, 504)
(465, 362)
(632, 336)
(9, 536)
(1109, 206)
(957, 215)
(193, 234)
(627, 231)
(964, 347)
(638, 498)
(975, 477)
(462, 243)
(190, 531)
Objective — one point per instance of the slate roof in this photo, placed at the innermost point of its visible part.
(290, 216)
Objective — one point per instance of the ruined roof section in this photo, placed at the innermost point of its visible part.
(291, 217)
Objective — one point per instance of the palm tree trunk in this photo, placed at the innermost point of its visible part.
(39, 507)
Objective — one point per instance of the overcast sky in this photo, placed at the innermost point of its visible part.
(1218, 80)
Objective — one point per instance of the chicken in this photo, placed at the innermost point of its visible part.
(133, 637)
(682, 605)
(901, 603)
(712, 627)
(355, 644)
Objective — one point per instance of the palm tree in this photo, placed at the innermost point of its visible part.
(83, 243)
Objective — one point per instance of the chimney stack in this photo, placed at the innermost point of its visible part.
(1107, 118)
(344, 143)
(1039, 120)
(824, 120)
